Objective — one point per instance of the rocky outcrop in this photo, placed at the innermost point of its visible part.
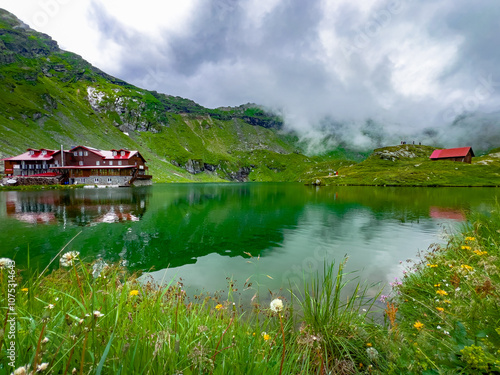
(395, 155)
(194, 166)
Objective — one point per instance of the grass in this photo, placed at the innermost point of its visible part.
(409, 165)
(443, 317)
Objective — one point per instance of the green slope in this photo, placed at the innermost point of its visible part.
(409, 165)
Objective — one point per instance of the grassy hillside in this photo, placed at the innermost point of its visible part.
(50, 97)
(409, 165)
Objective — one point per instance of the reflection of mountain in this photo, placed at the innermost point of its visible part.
(195, 221)
(77, 207)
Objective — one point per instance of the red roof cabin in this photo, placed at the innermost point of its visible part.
(462, 154)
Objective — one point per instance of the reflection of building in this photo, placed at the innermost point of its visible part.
(446, 213)
(80, 165)
(80, 206)
(462, 154)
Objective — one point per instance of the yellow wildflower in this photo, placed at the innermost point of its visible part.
(437, 285)
(266, 336)
(466, 267)
(447, 301)
(465, 247)
(479, 252)
(369, 344)
(134, 292)
(418, 325)
(219, 306)
(439, 309)
(470, 238)
(24, 290)
(441, 292)
(432, 265)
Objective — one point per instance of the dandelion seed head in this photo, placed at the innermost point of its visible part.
(276, 305)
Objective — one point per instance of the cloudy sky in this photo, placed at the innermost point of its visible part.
(411, 66)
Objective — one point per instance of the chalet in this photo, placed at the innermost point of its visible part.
(81, 165)
(462, 154)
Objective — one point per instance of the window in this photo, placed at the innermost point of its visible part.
(81, 153)
(114, 153)
(96, 180)
(44, 152)
(97, 162)
(111, 162)
(86, 153)
(119, 162)
(82, 180)
(32, 152)
(110, 180)
(80, 162)
(75, 153)
(123, 153)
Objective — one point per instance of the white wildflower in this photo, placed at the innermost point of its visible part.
(45, 340)
(372, 353)
(276, 305)
(49, 306)
(4, 262)
(97, 314)
(68, 259)
(42, 367)
(20, 371)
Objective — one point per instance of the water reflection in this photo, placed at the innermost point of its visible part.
(77, 207)
(273, 233)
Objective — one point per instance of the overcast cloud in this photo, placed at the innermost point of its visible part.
(421, 70)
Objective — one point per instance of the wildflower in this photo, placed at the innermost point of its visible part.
(441, 292)
(276, 305)
(479, 252)
(24, 290)
(383, 298)
(372, 353)
(369, 344)
(418, 325)
(74, 371)
(432, 265)
(45, 340)
(447, 301)
(49, 306)
(218, 306)
(4, 262)
(439, 309)
(470, 238)
(97, 314)
(68, 258)
(42, 367)
(265, 336)
(465, 247)
(437, 285)
(20, 371)
(466, 267)
(134, 292)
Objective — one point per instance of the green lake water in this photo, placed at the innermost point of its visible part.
(269, 234)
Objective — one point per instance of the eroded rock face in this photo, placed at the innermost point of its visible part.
(194, 166)
(395, 155)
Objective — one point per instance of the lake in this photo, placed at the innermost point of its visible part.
(270, 234)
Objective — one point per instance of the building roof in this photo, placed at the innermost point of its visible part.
(451, 153)
(108, 154)
(34, 154)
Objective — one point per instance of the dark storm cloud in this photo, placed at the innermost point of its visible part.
(410, 67)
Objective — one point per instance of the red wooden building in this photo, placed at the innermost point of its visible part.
(462, 154)
(81, 165)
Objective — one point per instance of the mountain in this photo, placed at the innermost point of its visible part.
(50, 97)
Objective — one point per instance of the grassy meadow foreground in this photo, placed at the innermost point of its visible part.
(443, 317)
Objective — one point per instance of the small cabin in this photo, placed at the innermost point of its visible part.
(461, 154)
